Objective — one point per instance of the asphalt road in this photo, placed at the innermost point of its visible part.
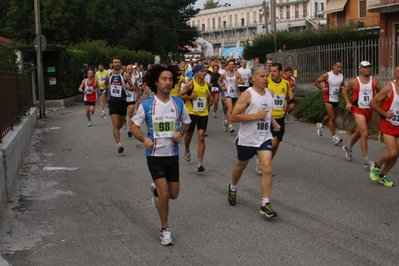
(329, 211)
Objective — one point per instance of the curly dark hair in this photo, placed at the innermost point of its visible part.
(152, 75)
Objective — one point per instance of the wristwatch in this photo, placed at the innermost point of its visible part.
(182, 133)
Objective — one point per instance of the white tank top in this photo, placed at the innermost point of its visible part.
(394, 120)
(231, 85)
(254, 133)
(365, 93)
(334, 85)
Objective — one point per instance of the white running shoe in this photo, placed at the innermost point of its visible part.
(89, 124)
(348, 152)
(187, 156)
(166, 237)
(125, 125)
(367, 163)
(336, 140)
(319, 127)
(231, 129)
(225, 125)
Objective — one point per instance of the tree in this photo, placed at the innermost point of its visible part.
(150, 25)
(209, 4)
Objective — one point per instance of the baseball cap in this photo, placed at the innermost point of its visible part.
(364, 64)
(134, 66)
(198, 68)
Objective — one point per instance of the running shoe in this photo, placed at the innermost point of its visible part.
(267, 211)
(380, 137)
(225, 125)
(187, 156)
(206, 134)
(231, 129)
(129, 134)
(166, 237)
(102, 115)
(120, 148)
(154, 198)
(125, 125)
(367, 163)
(319, 127)
(213, 115)
(89, 124)
(336, 140)
(385, 181)
(348, 152)
(287, 117)
(258, 168)
(231, 196)
(200, 168)
(374, 172)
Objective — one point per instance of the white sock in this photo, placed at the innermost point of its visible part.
(234, 188)
(264, 201)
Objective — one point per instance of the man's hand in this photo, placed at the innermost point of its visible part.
(261, 114)
(148, 143)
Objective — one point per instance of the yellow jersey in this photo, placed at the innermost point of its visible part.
(199, 106)
(281, 94)
(100, 77)
(176, 89)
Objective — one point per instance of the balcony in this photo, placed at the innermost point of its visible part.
(383, 6)
(368, 22)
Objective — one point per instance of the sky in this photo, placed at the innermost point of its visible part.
(200, 3)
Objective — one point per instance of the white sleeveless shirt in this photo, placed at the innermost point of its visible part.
(254, 133)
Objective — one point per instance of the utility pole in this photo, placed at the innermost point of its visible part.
(39, 62)
(265, 14)
(273, 22)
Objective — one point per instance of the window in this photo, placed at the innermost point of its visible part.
(213, 23)
(224, 24)
(362, 8)
(254, 17)
(219, 22)
(296, 11)
(242, 22)
(235, 20)
(316, 7)
(203, 27)
(321, 6)
(208, 24)
(198, 23)
(230, 20)
(288, 14)
(281, 12)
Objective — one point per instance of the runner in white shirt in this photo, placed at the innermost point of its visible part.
(245, 74)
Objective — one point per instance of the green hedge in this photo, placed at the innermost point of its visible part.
(311, 108)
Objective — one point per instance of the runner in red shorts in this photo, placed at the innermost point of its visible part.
(363, 87)
(389, 127)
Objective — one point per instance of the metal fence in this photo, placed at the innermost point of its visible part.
(312, 62)
(15, 100)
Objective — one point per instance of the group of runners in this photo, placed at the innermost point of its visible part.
(259, 98)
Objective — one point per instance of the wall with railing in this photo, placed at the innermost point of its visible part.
(15, 101)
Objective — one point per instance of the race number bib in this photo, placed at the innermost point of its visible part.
(394, 120)
(89, 90)
(102, 79)
(163, 127)
(364, 99)
(334, 93)
(129, 96)
(262, 127)
(199, 104)
(116, 91)
(278, 102)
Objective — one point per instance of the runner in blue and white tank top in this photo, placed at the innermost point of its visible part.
(118, 82)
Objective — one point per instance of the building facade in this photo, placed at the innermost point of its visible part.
(225, 26)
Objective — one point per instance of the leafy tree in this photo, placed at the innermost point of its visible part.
(151, 25)
(209, 4)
